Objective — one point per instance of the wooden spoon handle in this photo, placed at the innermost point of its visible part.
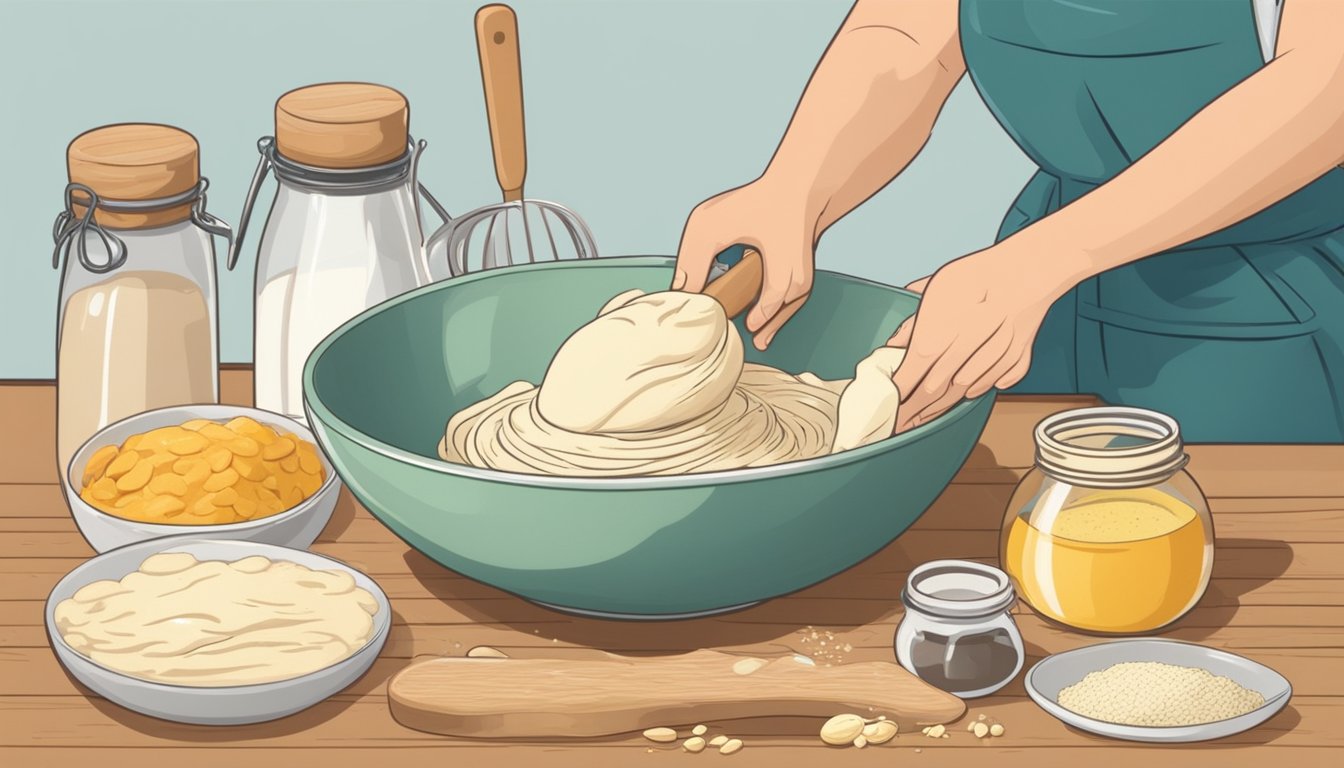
(502, 79)
(587, 697)
(737, 288)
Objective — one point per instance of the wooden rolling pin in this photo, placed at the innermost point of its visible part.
(607, 695)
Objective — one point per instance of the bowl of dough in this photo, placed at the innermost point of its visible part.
(657, 474)
(216, 632)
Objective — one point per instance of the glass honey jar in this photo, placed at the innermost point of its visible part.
(1108, 533)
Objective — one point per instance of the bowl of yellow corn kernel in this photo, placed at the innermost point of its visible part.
(207, 471)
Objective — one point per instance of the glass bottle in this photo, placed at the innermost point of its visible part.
(137, 327)
(957, 633)
(1108, 533)
(343, 233)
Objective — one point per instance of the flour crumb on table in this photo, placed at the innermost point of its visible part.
(824, 647)
(854, 730)
(880, 732)
(696, 743)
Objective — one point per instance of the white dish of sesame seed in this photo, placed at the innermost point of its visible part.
(1162, 691)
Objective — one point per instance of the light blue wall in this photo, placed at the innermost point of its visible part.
(636, 110)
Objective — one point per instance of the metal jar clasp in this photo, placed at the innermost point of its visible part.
(69, 229)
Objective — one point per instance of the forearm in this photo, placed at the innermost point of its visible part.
(1261, 141)
(869, 106)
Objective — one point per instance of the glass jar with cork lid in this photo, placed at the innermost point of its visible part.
(1109, 533)
(344, 231)
(137, 327)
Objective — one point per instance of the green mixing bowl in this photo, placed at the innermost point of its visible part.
(379, 391)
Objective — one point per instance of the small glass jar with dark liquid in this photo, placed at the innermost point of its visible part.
(957, 633)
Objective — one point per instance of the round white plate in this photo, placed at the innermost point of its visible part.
(230, 705)
(1052, 674)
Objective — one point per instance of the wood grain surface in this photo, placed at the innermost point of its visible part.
(1277, 596)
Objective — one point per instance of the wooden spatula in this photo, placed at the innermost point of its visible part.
(607, 694)
(739, 287)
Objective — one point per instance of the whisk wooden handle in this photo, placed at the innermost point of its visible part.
(737, 288)
(502, 79)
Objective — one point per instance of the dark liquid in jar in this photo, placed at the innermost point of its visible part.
(977, 661)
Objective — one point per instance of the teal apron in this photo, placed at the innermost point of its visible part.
(1238, 335)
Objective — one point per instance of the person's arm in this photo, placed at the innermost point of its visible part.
(870, 105)
(1263, 140)
(1267, 137)
(866, 112)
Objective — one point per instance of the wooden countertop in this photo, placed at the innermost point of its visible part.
(1277, 596)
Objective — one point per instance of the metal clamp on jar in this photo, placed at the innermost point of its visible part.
(957, 633)
(138, 323)
(1109, 533)
(344, 232)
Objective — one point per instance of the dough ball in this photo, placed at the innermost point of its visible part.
(648, 362)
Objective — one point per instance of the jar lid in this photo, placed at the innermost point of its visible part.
(342, 125)
(958, 589)
(1110, 447)
(135, 161)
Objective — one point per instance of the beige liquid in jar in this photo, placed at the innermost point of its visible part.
(135, 342)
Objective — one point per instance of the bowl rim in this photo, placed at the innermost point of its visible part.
(170, 529)
(381, 628)
(322, 418)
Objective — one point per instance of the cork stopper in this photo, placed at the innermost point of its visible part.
(135, 161)
(342, 125)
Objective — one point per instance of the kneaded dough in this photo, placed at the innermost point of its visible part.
(657, 385)
(649, 362)
(868, 405)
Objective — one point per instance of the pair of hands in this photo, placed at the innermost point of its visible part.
(973, 330)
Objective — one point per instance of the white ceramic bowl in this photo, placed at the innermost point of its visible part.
(298, 526)
(233, 705)
(1052, 674)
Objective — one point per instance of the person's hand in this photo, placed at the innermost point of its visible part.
(973, 331)
(770, 219)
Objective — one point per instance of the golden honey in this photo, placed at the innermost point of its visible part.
(203, 473)
(1118, 561)
(1108, 533)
